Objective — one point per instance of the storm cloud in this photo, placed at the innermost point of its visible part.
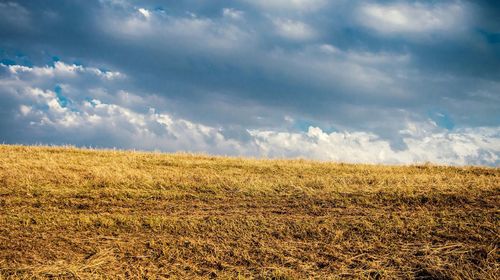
(355, 81)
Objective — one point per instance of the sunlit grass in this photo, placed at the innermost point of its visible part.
(75, 213)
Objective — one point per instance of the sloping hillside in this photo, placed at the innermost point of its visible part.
(73, 213)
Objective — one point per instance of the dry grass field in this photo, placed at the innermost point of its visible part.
(69, 213)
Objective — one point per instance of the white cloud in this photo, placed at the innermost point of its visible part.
(129, 128)
(25, 110)
(192, 31)
(124, 126)
(61, 69)
(401, 18)
(232, 13)
(287, 5)
(146, 13)
(467, 146)
(425, 142)
(355, 71)
(294, 30)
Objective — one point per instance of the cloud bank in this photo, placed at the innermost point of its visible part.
(63, 118)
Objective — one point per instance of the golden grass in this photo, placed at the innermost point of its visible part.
(69, 213)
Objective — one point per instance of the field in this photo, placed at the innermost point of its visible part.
(68, 213)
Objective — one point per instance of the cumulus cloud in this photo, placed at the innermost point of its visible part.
(232, 13)
(54, 115)
(417, 17)
(61, 69)
(292, 29)
(470, 146)
(61, 118)
(145, 12)
(153, 130)
(125, 127)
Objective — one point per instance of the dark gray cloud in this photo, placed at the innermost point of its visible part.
(375, 67)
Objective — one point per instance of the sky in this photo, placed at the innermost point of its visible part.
(393, 82)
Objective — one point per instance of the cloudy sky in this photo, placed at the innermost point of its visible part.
(353, 81)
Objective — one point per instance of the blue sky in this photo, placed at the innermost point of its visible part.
(354, 81)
